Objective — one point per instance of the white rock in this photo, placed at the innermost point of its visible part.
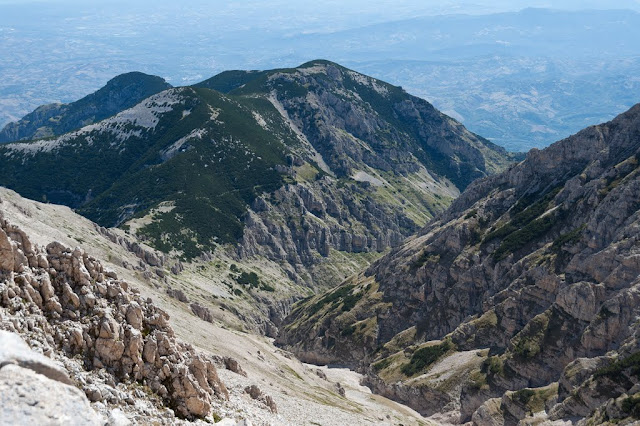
(13, 350)
(117, 418)
(26, 396)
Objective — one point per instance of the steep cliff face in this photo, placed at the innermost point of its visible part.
(120, 93)
(318, 168)
(355, 121)
(373, 165)
(533, 271)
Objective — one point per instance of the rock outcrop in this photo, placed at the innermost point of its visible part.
(34, 387)
(536, 269)
(71, 309)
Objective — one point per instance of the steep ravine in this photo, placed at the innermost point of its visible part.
(532, 272)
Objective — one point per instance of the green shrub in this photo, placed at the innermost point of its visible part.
(520, 238)
(348, 331)
(267, 287)
(615, 371)
(251, 279)
(522, 228)
(631, 406)
(571, 237)
(424, 357)
(523, 396)
(493, 365)
(333, 297)
(350, 300)
(472, 213)
(381, 365)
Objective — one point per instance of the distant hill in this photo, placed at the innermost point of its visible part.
(120, 93)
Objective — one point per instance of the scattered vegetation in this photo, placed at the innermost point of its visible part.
(471, 214)
(528, 343)
(616, 370)
(525, 224)
(534, 399)
(478, 380)
(381, 365)
(248, 279)
(631, 406)
(348, 331)
(425, 357)
(570, 238)
(251, 279)
(521, 237)
(493, 365)
(424, 258)
(342, 294)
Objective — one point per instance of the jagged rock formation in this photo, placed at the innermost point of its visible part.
(526, 289)
(296, 165)
(120, 93)
(72, 309)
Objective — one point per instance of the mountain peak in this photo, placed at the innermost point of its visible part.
(356, 163)
(121, 92)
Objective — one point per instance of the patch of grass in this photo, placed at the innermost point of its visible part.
(534, 399)
(528, 343)
(381, 365)
(478, 380)
(493, 365)
(424, 357)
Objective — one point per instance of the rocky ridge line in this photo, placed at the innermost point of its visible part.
(526, 288)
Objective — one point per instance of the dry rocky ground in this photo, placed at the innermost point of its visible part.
(103, 340)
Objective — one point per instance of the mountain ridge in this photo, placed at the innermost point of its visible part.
(525, 285)
(119, 93)
(296, 131)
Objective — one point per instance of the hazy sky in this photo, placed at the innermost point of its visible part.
(61, 50)
(384, 7)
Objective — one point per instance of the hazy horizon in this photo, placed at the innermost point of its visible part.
(62, 50)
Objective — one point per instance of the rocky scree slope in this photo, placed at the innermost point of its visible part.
(294, 165)
(120, 93)
(303, 394)
(116, 346)
(520, 300)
